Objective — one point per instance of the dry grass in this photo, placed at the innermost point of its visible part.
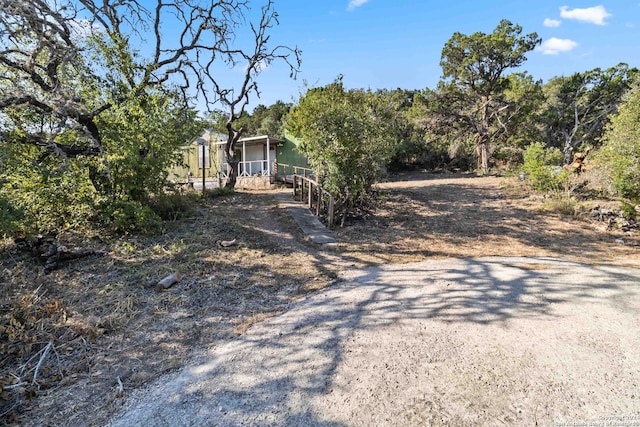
(110, 329)
(456, 215)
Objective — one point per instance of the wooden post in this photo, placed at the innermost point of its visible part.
(268, 157)
(295, 183)
(310, 195)
(204, 170)
(331, 207)
(319, 199)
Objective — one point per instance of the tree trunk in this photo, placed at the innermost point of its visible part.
(568, 152)
(484, 156)
(483, 137)
(233, 173)
(230, 154)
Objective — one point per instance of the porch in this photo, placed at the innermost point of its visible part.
(258, 165)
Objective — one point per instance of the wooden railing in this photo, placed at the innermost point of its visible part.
(285, 171)
(316, 197)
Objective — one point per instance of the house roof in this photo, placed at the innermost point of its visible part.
(256, 140)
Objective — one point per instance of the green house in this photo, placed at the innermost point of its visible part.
(264, 160)
(190, 168)
(290, 160)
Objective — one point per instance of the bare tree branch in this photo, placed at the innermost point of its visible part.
(72, 60)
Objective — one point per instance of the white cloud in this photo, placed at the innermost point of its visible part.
(554, 46)
(552, 23)
(356, 3)
(593, 15)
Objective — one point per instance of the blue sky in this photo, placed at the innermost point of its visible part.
(397, 43)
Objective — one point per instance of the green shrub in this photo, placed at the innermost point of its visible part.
(542, 168)
(561, 203)
(629, 211)
(619, 156)
(217, 192)
(42, 196)
(128, 216)
(173, 206)
(348, 137)
(10, 218)
(507, 155)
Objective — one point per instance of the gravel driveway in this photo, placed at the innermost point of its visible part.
(483, 341)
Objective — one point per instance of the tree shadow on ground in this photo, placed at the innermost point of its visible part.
(281, 370)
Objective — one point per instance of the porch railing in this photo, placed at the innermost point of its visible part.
(319, 200)
(284, 170)
(247, 168)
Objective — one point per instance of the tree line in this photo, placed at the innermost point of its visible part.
(90, 124)
(483, 114)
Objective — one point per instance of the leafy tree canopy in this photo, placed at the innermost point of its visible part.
(578, 107)
(620, 154)
(348, 138)
(473, 71)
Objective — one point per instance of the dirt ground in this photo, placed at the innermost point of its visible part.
(518, 341)
(427, 216)
(114, 333)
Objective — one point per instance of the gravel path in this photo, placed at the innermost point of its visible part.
(484, 341)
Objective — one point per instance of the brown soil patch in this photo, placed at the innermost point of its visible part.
(112, 332)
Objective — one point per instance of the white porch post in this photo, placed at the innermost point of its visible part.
(268, 157)
(244, 158)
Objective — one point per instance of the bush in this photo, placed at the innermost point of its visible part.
(619, 156)
(507, 156)
(348, 138)
(629, 211)
(41, 197)
(10, 218)
(173, 206)
(128, 216)
(218, 192)
(562, 204)
(542, 168)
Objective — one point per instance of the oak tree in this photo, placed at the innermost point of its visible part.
(620, 153)
(579, 106)
(348, 138)
(65, 62)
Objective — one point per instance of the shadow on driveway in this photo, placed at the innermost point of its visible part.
(414, 344)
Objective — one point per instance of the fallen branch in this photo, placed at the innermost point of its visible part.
(42, 358)
(120, 387)
(227, 243)
(168, 281)
(51, 253)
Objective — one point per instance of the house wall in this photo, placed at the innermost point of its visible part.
(288, 153)
(189, 169)
(189, 166)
